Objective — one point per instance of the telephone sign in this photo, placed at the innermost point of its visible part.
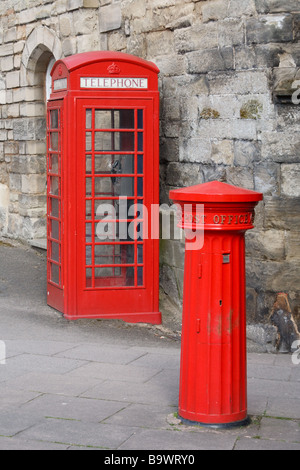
(103, 178)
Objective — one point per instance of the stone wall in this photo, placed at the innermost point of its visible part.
(227, 74)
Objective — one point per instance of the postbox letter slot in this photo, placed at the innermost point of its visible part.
(226, 258)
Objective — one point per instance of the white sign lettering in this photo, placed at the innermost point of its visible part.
(113, 82)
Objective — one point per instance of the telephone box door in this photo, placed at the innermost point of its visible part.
(115, 181)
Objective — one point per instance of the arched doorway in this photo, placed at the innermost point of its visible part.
(41, 50)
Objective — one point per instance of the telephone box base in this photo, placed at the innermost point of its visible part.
(152, 318)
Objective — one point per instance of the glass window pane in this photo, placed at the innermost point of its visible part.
(112, 186)
(53, 164)
(54, 229)
(140, 165)
(140, 142)
(114, 141)
(88, 232)
(88, 119)
(54, 208)
(88, 209)
(114, 277)
(140, 187)
(140, 276)
(88, 255)
(88, 275)
(140, 255)
(54, 141)
(55, 252)
(114, 254)
(88, 141)
(54, 118)
(114, 119)
(54, 185)
(55, 273)
(88, 187)
(140, 119)
(114, 164)
(104, 119)
(88, 164)
(107, 208)
(126, 118)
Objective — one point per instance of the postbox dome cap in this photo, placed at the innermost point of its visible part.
(215, 191)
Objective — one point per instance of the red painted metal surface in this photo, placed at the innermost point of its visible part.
(213, 383)
(103, 166)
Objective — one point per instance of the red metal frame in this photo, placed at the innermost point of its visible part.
(100, 149)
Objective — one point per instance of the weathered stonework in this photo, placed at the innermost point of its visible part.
(226, 83)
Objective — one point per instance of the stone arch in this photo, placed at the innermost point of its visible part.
(42, 46)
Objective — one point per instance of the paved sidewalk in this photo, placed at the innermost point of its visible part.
(92, 384)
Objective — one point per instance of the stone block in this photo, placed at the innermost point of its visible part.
(269, 28)
(239, 8)
(195, 149)
(13, 79)
(267, 178)
(33, 228)
(195, 38)
(222, 152)
(239, 83)
(266, 245)
(282, 213)
(155, 40)
(32, 206)
(246, 152)
(276, 6)
(183, 174)
(281, 147)
(84, 22)
(7, 63)
(231, 32)
(210, 60)
(6, 49)
(29, 129)
(33, 184)
(293, 246)
(240, 176)
(110, 17)
(290, 178)
(32, 109)
(214, 10)
(169, 149)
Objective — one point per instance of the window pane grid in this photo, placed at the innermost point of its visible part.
(114, 169)
(54, 251)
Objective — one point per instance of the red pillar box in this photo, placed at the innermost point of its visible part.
(213, 386)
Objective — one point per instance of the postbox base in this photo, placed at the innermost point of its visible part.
(234, 424)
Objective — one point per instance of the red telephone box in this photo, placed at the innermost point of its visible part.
(103, 179)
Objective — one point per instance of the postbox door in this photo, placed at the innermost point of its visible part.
(116, 254)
